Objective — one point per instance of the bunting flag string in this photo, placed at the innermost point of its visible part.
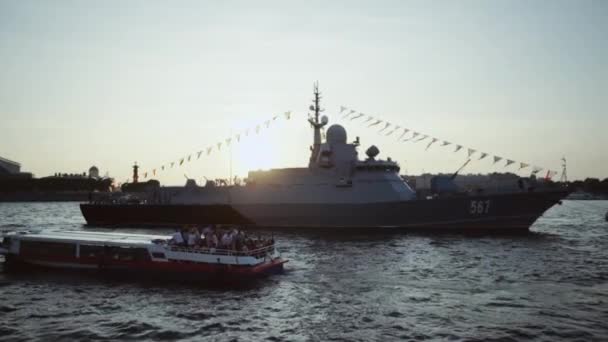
(349, 113)
(417, 136)
(226, 142)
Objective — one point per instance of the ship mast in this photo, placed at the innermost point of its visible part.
(317, 125)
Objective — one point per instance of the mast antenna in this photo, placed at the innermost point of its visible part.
(564, 177)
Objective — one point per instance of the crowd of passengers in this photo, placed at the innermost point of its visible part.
(213, 237)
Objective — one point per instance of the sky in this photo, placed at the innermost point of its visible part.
(110, 83)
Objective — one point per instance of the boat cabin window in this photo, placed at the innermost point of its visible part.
(45, 248)
(89, 251)
(127, 253)
(158, 255)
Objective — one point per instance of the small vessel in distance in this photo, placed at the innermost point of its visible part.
(335, 190)
(153, 255)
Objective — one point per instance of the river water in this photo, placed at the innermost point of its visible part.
(551, 284)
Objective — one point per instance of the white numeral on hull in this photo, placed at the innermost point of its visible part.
(479, 207)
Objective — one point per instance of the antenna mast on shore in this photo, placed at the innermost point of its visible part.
(564, 176)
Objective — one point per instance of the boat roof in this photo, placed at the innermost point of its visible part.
(91, 237)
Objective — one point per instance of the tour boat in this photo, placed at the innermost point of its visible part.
(135, 253)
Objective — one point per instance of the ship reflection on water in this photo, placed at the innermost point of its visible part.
(352, 286)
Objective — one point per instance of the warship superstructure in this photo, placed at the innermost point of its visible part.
(336, 190)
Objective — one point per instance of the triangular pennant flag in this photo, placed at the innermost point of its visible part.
(509, 162)
(375, 123)
(181, 161)
(422, 138)
(355, 117)
(342, 108)
(198, 154)
(431, 143)
(162, 168)
(483, 155)
(445, 143)
(405, 130)
(287, 115)
(189, 157)
(458, 147)
(209, 149)
(471, 152)
(228, 141)
(393, 131)
(497, 159)
(154, 172)
(369, 118)
(523, 165)
(172, 163)
(219, 146)
(275, 117)
(536, 169)
(386, 125)
(349, 113)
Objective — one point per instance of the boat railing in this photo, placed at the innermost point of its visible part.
(257, 253)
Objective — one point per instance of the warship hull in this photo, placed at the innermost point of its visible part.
(492, 213)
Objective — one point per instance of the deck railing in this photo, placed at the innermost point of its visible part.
(256, 253)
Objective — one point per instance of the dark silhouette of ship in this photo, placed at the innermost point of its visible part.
(336, 190)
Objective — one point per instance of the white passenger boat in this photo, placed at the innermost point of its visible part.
(151, 254)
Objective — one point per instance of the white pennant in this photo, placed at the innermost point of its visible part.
(356, 116)
(445, 143)
(509, 162)
(471, 152)
(393, 131)
(523, 165)
(342, 108)
(375, 123)
(497, 159)
(386, 125)
(483, 155)
(458, 147)
(209, 149)
(405, 130)
(198, 154)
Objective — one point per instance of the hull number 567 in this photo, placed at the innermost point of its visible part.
(479, 207)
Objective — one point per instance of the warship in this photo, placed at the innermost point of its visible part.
(336, 190)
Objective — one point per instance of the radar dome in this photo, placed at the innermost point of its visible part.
(372, 152)
(336, 134)
(324, 120)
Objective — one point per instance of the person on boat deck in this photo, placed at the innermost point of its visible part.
(193, 238)
(226, 241)
(177, 238)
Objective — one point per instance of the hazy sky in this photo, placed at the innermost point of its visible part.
(108, 83)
